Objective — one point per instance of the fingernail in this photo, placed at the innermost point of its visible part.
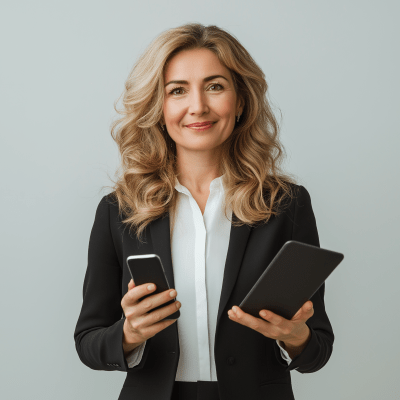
(151, 287)
(263, 313)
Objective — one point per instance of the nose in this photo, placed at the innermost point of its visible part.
(198, 103)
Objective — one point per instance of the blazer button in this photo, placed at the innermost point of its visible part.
(231, 360)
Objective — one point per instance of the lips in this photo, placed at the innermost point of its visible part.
(198, 124)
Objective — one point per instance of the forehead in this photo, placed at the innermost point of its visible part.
(194, 64)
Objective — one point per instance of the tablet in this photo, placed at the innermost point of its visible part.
(293, 276)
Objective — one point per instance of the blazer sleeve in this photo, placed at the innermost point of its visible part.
(135, 356)
(319, 348)
(284, 353)
(99, 330)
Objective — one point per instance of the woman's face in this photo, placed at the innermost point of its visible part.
(199, 99)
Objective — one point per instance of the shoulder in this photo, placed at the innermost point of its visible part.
(299, 190)
(107, 206)
(294, 196)
(108, 201)
(302, 195)
(286, 196)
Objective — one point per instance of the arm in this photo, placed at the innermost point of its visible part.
(99, 331)
(318, 348)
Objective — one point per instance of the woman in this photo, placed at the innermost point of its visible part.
(213, 203)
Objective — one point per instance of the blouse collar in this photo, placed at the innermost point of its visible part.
(216, 185)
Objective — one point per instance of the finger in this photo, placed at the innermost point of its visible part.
(246, 319)
(145, 327)
(299, 311)
(147, 305)
(152, 330)
(161, 313)
(273, 318)
(309, 305)
(131, 284)
(309, 309)
(305, 309)
(155, 319)
(132, 296)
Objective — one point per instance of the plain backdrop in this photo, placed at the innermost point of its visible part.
(333, 71)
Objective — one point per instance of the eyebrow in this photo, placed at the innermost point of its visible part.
(208, 78)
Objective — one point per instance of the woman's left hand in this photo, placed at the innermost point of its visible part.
(294, 332)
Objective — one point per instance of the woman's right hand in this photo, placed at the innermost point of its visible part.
(140, 323)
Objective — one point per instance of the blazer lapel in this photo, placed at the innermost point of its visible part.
(160, 235)
(239, 235)
(238, 239)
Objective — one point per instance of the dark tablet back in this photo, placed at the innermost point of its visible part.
(293, 276)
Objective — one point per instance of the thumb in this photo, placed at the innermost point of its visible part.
(131, 284)
(304, 308)
(297, 314)
(308, 305)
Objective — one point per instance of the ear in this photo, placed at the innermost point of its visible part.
(241, 106)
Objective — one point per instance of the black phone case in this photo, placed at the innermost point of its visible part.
(293, 276)
(151, 270)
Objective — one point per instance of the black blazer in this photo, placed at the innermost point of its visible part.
(248, 364)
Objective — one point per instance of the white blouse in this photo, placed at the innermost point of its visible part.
(199, 245)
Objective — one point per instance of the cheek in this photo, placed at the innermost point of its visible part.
(173, 113)
(225, 110)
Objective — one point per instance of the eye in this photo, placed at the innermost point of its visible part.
(216, 84)
(180, 87)
(176, 88)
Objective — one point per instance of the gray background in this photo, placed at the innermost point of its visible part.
(333, 71)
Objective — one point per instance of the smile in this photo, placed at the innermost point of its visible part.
(201, 128)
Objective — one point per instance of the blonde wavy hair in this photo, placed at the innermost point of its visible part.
(250, 157)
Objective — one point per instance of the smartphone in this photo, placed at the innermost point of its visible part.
(148, 268)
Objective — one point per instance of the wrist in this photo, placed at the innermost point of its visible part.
(300, 342)
(129, 347)
(127, 344)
